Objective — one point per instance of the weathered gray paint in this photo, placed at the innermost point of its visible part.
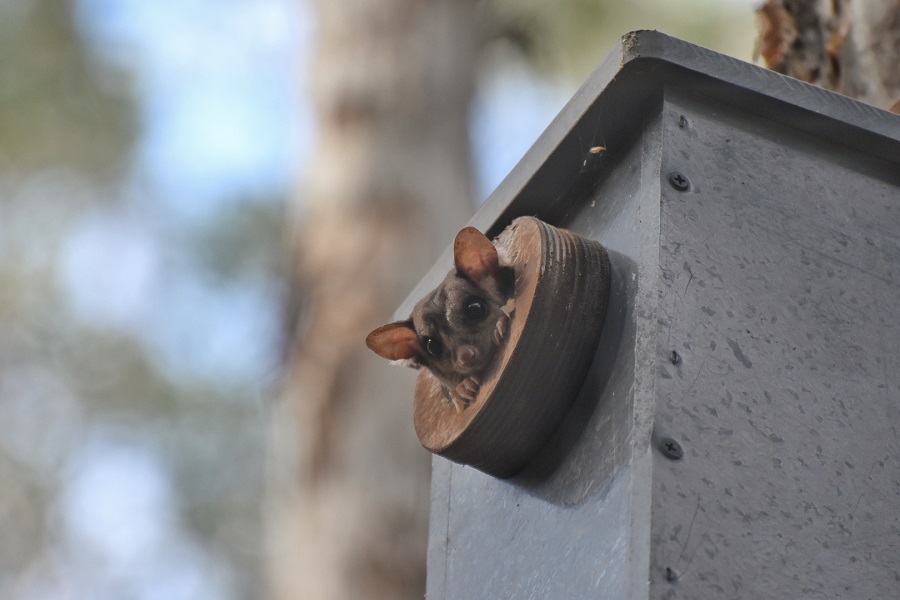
(776, 278)
(780, 273)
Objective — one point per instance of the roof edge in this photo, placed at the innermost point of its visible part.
(653, 45)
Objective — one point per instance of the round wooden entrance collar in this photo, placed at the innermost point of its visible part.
(562, 290)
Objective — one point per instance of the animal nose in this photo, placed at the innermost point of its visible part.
(467, 356)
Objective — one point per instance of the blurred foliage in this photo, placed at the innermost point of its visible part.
(68, 129)
(571, 37)
(240, 245)
(56, 106)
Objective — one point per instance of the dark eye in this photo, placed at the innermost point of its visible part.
(476, 309)
(433, 346)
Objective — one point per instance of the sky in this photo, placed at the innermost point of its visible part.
(217, 86)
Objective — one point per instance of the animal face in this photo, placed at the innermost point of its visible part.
(455, 330)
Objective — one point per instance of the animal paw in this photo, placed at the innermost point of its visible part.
(502, 327)
(464, 393)
(509, 308)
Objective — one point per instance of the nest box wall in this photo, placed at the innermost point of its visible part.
(737, 434)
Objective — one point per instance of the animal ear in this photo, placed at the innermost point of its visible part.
(474, 255)
(394, 341)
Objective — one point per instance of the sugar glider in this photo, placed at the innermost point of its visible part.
(456, 330)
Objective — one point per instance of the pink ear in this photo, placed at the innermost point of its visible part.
(474, 255)
(394, 341)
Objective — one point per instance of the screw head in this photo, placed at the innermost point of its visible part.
(679, 181)
(671, 449)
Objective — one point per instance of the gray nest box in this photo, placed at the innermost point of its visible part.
(737, 432)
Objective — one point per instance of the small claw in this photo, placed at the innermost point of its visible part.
(464, 393)
(453, 398)
(509, 308)
(502, 327)
(467, 390)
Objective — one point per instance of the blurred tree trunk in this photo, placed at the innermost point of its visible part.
(849, 46)
(389, 185)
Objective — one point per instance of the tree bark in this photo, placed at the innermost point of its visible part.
(849, 46)
(389, 184)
